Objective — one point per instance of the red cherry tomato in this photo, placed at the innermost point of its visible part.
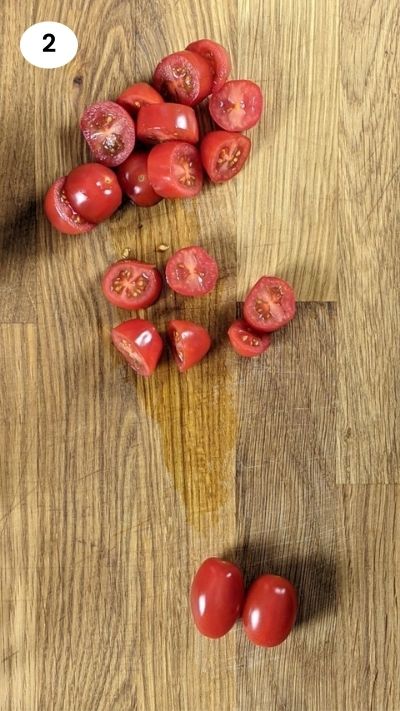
(246, 341)
(217, 57)
(270, 304)
(189, 342)
(175, 170)
(61, 213)
(109, 132)
(134, 180)
(191, 272)
(216, 597)
(237, 106)
(224, 154)
(169, 122)
(93, 191)
(270, 610)
(184, 77)
(139, 343)
(132, 285)
(138, 95)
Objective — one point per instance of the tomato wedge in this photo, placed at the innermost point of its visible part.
(237, 106)
(175, 170)
(139, 343)
(109, 132)
(189, 343)
(184, 77)
(60, 212)
(132, 285)
(218, 59)
(134, 180)
(270, 304)
(138, 95)
(191, 272)
(246, 341)
(169, 122)
(224, 154)
(93, 191)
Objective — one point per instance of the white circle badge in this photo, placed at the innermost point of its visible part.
(48, 45)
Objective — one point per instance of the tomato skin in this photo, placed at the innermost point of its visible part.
(93, 191)
(270, 304)
(184, 77)
(189, 342)
(127, 276)
(216, 597)
(246, 341)
(175, 170)
(139, 343)
(270, 610)
(169, 122)
(237, 106)
(109, 131)
(224, 154)
(217, 57)
(191, 271)
(134, 180)
(138, 95)
(61, 214)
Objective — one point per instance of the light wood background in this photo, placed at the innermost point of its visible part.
(113, 490)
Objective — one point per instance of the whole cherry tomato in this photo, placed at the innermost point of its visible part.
(270, 610)
(216, 597)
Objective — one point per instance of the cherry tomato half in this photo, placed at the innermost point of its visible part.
(109, 132)
(216, 597)
(169, 122)
(270, 610)
(93, 191)
(246, 341)
(270, 304)
(237, 106)
(224, 154)
(134, 180)
(132, 285)
(191, 272)
(175, 170)
(138, 95)
(184, 77)
(139, 343)
(189, 342)
(217, 57)
(61, 213)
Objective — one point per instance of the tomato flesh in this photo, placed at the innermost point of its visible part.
(184, 77)
(191, 271)
(224, 154)
(237, 105)
(169, 122)
(139, 343)
(216, 597)
(270, 304)
(93, 191)
(270, 610)
(175, 170)
(217, 57)
(60, 212)
(189, 342)
(132, 285)
(246, 341)
(134, 180)
(138, 95)
(109, 131)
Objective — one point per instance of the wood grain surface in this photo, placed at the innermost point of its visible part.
(114, 489)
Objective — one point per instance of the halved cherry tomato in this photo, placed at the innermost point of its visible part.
(217, 57)
(139, 343)
(216, 597)
(134, 180)
(93, 191)
(189, 342)
(237, 106)
(191, 272)
(246, 341)
(60, 212)
(138, 95)
(175, 170)
(270, 610)
(132, 285)
(169, 122)
(224, 154)
(270, 304)
(184, 77)
(109, 132)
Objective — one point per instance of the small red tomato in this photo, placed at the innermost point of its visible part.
(140, 344)
(134, 180)
(184, 77)
(217, 57)
(216, 597)
(93, 191)
(237, 106)
(175, 170)
(169, 122)
(189, 342)
(246, 341)
(270, 304)
(191, 272)
(132, 285)
(224, 154)
(109, 132)
(61, 213)
(270, 610)
(138, 95)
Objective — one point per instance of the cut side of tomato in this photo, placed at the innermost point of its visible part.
(109, 132)
(270, 304)
(139, 343)
(175, 170)
(246, 341)
(60, 212)
(169, 122)
(138, 95)
(224, 154)
(93, 191)
(217, 57)
(134, 180)
(191, 271)
(189, 343)
(237, 106)
(132, 285)
(184, 77)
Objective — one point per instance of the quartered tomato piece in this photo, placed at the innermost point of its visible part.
(169, 122)
(237, 106)
(132, 285)
(224, 154)
(93, 191)
(218, 59)
(109, 132)
(189, 342)
(216, 597)
(191, 272)
(138, 95)
(246, 341)
(184, 77)
(134, 180)
(175, 170)
(270, 610)
(139, 343)
(270, 304)
(60, 212)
